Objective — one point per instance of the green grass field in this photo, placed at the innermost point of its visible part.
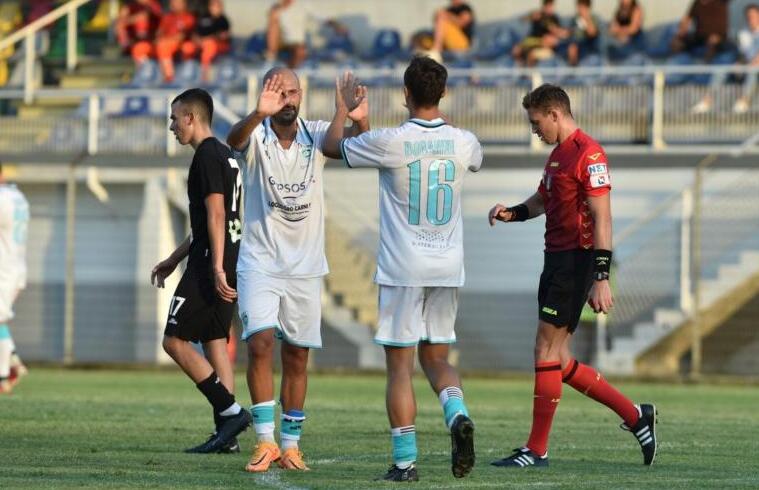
(127, 429)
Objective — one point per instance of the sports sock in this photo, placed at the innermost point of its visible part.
(590, 383)
(292, 425)
(547, 395)
(263, 420)
(6, 350)
(452, 400)
(404, 446)
(216, 393)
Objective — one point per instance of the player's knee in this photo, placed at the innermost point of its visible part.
(170, 345)
(260, 345)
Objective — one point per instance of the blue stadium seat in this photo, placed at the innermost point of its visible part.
(135, 105)
(227, 73)
(638, 59)
(146, 75)
(659, 39)
(387, 44)
(187, 74)
(588, 61)
(680, 59)
(337, 48)
(499, 44)
(255, 47)
(460, 64)
(553, 62)
(727, 57)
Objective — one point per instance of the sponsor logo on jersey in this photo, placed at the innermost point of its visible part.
(554, 164)
(595, 156)
(601, 180)
(598, 168)
(550, 311)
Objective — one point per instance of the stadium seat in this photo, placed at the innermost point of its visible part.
(727, 57)
(227, 73)
(136, 105)
(460, 64)
(588, 61)
(553, 62)
(680, 59)
(498, 44)
(659, 39)
(146, 75)
(638, 59)
(387, 44)
(255, 47)
(337, 48)
(187, 74)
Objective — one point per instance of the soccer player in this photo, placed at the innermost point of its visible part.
(14, 220)
(282, 261)
(574, 195)
(420, 262)
(202, 307)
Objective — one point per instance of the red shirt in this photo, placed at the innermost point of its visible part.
(175, 23)
(576, 169)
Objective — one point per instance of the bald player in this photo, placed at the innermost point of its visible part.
(202, 306)
(282, 261)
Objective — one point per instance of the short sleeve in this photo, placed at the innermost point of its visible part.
(211, 173)
(594, 172)
(366, 150)
(474, 154)
(318, 132)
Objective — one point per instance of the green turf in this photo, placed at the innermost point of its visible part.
(111, 429)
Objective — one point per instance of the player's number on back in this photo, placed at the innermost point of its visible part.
(435, 188)
(238, 183)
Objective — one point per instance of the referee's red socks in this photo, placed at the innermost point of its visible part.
(590, 383)
(547, 396)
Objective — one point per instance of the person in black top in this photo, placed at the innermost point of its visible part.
(626, 29)
(211, 37)
(202, 306)
(454, 28)
(545, 34)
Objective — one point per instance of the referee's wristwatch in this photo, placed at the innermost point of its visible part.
(601, 276)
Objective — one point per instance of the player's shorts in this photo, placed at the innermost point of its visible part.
(564, 285)
(408, 315)
(290, 306)
(196, 312)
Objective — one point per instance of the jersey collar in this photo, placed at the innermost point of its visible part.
(435, 123)
(302, 135)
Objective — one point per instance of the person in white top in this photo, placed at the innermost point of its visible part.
(422, 165)
(14, 221)
(281, 260)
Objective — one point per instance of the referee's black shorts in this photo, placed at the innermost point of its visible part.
(564, 285)
(196, 312)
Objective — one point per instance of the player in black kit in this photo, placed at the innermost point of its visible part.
(202, 306)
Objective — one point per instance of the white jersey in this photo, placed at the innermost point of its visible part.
(283, 229)
(14, 221)
(421, 165)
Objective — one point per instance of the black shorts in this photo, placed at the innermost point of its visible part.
(564, 285)
(196, 312)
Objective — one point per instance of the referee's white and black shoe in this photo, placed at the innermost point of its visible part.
(522, 458)
(645, 431)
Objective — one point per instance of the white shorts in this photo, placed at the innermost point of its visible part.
(291, 306)
(7, 295)
(408, 315)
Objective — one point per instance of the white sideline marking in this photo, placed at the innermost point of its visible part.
(273, 480)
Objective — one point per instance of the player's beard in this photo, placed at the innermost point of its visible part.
(287, 115)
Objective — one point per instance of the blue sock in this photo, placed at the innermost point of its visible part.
(452, 400)
(5, 332)
(292, 426)
(404, 446)
(263, 420)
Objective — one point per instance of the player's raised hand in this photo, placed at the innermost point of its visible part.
(600, 297)
(351, 95)
(271, 100)
(499, 212)
(222, 288)
(161, 271)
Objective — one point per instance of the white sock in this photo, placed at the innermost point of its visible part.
(6, 349)
(233, 409)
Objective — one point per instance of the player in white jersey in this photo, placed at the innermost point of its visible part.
(14, 220)
(281, 261)
(422, 165)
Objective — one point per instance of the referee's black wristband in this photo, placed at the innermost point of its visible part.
(519, 212)
(602, 262)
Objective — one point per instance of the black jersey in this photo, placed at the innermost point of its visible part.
(214, 171)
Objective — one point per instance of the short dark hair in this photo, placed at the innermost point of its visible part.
(547, 2)
(584, 2)
(199, 100)
(547, 97)
(425, 80)
(751, 6)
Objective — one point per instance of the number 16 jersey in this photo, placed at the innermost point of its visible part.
(422, 165)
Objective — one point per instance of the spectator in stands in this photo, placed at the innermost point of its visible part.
(584, 33)
(134, 28)
(545, 35)
(286, 31)
(175, 28)
(36, 9)
(709, 19)
(454, 28)
(626, 29)
(211, 37)
(748, 45)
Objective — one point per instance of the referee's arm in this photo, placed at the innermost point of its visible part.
(531, 208)
(600, 297)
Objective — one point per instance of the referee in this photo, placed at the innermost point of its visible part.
(574, 194)
(202, 306)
